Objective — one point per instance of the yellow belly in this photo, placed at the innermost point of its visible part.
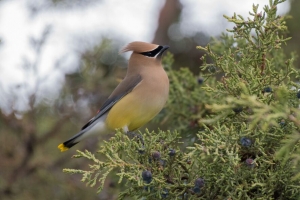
(132, 112)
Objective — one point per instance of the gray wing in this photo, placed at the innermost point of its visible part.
(125, 87)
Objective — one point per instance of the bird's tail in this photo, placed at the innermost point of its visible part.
(71, 142)
(94, 128)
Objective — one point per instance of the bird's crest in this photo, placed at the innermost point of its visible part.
(139, 47)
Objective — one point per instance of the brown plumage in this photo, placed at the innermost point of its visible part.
(150, 94)
(139, 47)
(137, 99)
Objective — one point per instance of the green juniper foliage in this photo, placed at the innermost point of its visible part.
(183, 113)
(240, 132)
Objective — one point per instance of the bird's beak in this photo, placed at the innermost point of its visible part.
(165, 47)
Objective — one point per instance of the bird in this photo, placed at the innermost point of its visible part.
(138, 98)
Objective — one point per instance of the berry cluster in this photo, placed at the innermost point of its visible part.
(157, 157)
(199, 183)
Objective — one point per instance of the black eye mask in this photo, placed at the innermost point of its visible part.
(152, 53)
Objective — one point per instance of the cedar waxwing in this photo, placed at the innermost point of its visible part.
(136, 100)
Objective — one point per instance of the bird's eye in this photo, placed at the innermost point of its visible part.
(149, 54)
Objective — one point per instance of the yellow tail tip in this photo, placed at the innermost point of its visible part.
(62, 147)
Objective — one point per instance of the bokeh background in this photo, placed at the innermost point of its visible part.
(59, 62)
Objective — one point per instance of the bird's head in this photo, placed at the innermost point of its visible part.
(147, 50)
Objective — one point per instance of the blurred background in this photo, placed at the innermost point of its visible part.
(59, 62)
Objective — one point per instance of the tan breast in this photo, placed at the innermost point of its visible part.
(143, 103)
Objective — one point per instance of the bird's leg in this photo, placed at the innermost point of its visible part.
(133, 134)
